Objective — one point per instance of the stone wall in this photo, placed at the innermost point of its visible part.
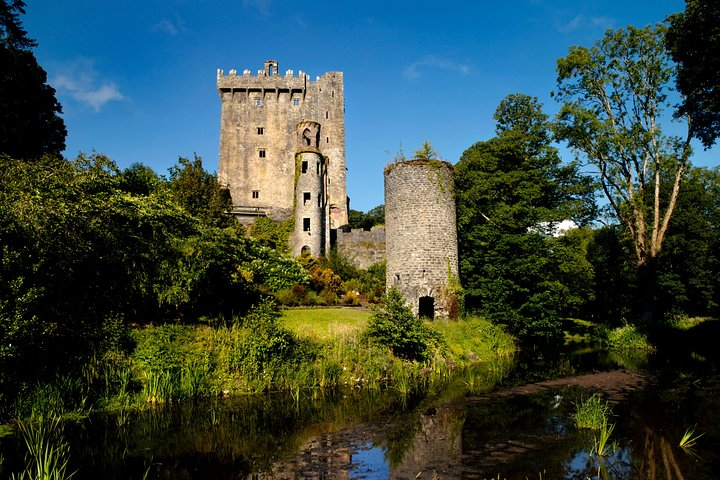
(362, 248)
(421, 234)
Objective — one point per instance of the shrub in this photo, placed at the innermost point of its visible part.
(393, 325)
(626, 338)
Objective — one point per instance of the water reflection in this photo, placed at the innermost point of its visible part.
(483, 423)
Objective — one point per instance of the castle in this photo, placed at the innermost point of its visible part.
(282, 155)
(282, 151)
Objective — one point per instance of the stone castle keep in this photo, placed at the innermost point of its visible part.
(282, 155)
(282, 151)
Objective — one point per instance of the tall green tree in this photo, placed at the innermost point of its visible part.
(613, 95)
(374, 216)
(688, 266)
(30, 123)
(512, 190)
(200, 193)
(694, 42)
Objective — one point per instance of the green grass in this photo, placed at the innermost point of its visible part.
(305, 349)
(689, 439)
(685, 323)
(592, 413)
(325, 323)
(628, 338)
(474, 338)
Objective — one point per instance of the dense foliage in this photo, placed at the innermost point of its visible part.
(86, 246)
(512, 192)
(694, 42)
(374, 216)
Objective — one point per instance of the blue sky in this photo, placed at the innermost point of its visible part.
(137, 78)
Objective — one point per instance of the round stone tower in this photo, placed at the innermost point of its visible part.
(421, 235)
(310, 235)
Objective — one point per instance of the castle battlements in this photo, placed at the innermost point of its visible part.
(262, 74)
(269, 79)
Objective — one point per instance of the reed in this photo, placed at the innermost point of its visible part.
(601, 447)
(48, 454)
(157, 386)
(592, 413)
(689, 439)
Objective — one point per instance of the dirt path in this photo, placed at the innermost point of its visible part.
(614, 385)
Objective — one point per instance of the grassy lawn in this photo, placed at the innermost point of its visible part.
(470, 339)
(325, 323)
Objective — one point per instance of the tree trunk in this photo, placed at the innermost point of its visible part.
(650, 310)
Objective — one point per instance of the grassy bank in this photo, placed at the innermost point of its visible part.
(298, 351)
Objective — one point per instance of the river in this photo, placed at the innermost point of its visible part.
(506, 420)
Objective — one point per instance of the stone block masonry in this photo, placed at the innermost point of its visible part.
(421, 234)
(362, 248)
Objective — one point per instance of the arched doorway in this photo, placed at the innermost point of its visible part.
(426, 307)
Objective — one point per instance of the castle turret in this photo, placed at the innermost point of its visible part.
(421, 235)
(311, 229)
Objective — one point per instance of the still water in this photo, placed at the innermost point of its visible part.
(513, 424)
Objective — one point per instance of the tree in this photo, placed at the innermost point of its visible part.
(694, 42)
(12, 34)
(426, 152)
(81, 252)
(374, 216)
(510, 190)
(613, 95)
(200, 193)
(688, 265)
(30, 125)
(392, 324)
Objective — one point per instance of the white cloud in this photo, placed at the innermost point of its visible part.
(81, 81)
(570, 26)
(603, 22)
(413, 70)
(581, 22)
(170, 27)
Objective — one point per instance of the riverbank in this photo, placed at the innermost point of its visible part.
(298, 350)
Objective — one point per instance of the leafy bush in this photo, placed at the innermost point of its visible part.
(393, 325)
(269, 342)
(626, 338)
